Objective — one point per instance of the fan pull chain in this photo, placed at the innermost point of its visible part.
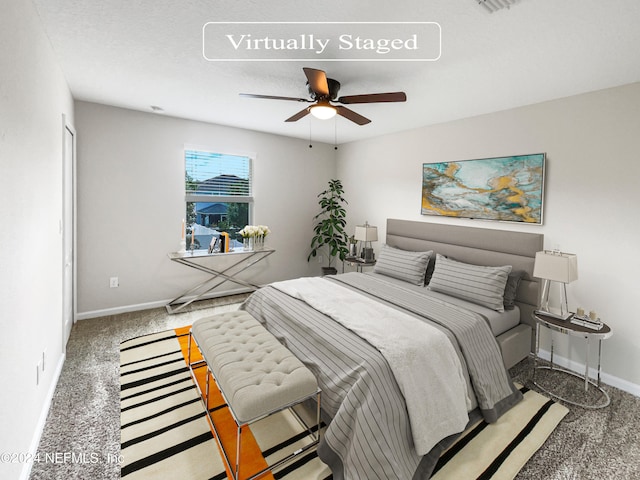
(310, 146)
(335, 133)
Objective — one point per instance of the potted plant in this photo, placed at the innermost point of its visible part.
(329, 232)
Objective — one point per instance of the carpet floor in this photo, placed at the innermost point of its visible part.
(85, 413)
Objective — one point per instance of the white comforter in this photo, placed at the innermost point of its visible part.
(424, 362)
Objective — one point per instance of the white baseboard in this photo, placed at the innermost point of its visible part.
(118, 310)
(42, 420)
(146, 306)
(605, 378)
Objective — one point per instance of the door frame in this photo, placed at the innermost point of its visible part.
(68, 227)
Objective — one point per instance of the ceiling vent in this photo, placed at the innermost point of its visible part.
(495, 5)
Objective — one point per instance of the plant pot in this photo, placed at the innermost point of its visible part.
(329, 271)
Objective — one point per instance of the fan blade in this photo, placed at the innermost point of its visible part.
(317, 81)
(272, 97)
(374, 98)
(351, 115)
(298, 116)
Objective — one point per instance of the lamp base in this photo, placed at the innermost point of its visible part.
(564, 314)
(367, 254)
(559, 316)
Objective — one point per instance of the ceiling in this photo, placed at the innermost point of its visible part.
(143, 53)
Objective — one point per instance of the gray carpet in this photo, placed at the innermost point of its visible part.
(84, 420)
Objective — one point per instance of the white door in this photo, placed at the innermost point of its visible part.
(68, 229)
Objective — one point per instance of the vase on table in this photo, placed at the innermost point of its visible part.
(247, 244)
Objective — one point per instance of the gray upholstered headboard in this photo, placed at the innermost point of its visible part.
(480, 246)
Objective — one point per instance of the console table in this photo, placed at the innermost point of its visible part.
(241, 260)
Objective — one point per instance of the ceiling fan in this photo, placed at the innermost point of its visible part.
(323, 91)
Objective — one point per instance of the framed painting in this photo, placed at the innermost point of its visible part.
(508, 189)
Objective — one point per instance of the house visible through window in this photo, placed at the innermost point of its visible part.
(218, 196)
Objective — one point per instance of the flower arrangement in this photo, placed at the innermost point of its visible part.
(253, 236)
(255, 231)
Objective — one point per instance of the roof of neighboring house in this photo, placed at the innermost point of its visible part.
(222, 184)
(213, 208)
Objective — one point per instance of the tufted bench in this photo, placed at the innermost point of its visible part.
(255, 373)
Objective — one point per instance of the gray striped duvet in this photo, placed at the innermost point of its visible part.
(369, 436)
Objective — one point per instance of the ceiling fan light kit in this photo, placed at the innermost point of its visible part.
(323, 112)
(323, 91)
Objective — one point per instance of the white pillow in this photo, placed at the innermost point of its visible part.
(475, 283)
(402, 264)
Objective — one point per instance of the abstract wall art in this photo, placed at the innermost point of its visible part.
(507, 189)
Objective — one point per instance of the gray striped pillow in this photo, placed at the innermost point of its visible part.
(474, 283)
(403, 264)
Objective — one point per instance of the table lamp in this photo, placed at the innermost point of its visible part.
(366, 234)
(555, 266)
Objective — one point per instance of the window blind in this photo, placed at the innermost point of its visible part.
(217, 174)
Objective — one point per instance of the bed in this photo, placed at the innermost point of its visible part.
(392, 402)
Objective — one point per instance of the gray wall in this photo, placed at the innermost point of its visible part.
(592, 144)
(131, 203)
(33, 99)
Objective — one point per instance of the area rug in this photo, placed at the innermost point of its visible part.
(165, 433)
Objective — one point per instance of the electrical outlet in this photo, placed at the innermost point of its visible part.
(320, 259)
(113, 282)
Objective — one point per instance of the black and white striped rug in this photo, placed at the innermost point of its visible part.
(163, 427)
(498, 451)
(164, 430)
(165, 433)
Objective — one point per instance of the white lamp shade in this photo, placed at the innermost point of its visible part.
(366, 233)
(557, 267)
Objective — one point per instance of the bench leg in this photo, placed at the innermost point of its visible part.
(206, 394)
(237, 472)
(317, 439)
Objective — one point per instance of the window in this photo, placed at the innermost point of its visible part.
(218, 196)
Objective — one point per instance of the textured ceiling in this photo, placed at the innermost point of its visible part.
(139, 53)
